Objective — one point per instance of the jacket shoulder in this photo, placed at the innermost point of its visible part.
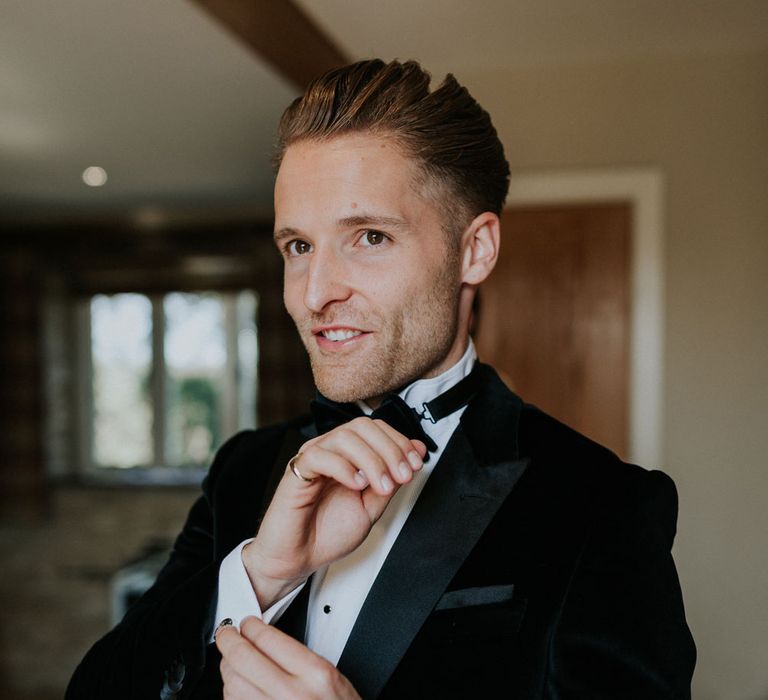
(545, 439)
(617, 490)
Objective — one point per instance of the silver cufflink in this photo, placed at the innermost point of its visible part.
(226, 622)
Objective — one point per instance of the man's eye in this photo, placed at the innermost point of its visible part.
(298, 247)
(373, 238)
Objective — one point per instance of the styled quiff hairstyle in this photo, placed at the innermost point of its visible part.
(448, 133)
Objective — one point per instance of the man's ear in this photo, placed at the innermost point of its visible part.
(480, 248)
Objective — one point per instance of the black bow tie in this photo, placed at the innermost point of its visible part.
(395, 412)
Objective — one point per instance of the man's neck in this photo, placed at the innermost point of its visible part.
(430, 385)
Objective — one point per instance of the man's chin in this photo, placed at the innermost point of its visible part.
(343, 393)
(349, 386)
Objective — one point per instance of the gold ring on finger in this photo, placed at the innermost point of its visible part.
(292, 466)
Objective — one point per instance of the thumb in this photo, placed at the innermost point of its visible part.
(375, 504)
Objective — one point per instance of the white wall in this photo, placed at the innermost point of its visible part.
(703, 121)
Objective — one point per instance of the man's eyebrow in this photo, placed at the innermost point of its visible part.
(282, 233)
(372, 220)
(348, 222)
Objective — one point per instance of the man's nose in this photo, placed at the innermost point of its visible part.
(326, 280)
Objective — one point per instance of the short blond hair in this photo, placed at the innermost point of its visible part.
(448, 133)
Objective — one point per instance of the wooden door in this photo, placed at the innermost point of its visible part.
(554, 315)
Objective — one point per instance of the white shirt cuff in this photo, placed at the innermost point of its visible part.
(236, 599)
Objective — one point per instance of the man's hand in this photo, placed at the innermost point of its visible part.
(263, 662)
(356, 469)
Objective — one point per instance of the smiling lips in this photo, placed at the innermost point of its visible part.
(336, 337)
(340, 334)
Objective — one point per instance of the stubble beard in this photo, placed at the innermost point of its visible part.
(408, 346)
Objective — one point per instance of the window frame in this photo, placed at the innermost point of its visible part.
(159, 472)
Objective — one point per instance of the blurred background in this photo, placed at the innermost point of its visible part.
(141, 318)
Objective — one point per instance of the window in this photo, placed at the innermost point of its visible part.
(164, 379)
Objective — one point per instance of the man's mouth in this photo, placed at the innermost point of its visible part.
(329, 337)
(337, 335)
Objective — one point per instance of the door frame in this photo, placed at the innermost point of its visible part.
(643, 188)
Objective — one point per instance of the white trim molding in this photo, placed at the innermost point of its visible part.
(643, 188)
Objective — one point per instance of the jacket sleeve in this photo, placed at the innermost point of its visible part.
(162, 637)
(622, 631)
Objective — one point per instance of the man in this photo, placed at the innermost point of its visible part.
(427, 534)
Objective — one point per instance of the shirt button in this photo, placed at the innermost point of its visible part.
(326, 609)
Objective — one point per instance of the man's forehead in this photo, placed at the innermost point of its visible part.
(377, 155)
(352, 180)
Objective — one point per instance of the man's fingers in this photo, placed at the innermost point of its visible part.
(383, 454)
(318, 461)
(360, 453)
(374, 504)
(407, 447)
(421, 448)
(236, 687)
(312, 675)
(287, 652)
(350, 441)
(396, 449)
(240, 658)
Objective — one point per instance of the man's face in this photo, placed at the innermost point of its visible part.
(371, 280)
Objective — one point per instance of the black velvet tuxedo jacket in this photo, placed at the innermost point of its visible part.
(535, 564)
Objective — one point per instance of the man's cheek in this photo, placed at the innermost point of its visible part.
(293, 308)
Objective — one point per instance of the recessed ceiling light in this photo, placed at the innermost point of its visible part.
(94, 176)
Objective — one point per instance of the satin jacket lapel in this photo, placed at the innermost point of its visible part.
(477, 471)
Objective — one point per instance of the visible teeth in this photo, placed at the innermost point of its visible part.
(340, 335)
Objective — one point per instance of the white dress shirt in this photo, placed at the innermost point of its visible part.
(340, 589)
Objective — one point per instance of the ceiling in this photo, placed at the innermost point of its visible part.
(181, 114)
